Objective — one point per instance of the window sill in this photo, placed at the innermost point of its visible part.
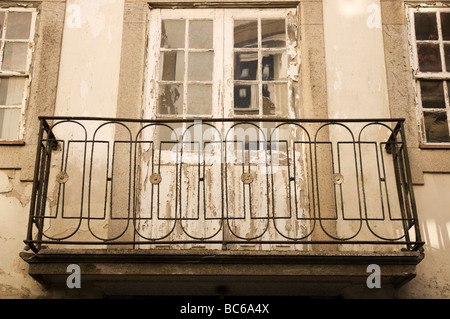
(435, 146)
(12, 143)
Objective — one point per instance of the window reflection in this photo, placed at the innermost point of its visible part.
(447, 56)
(171, 99)
(274, 99)
(432, 93)
(267, 63)
(246, 99)
(199, 99)
(19, 24)
(245, 65)
(274, 66)
(15, 56)
(200, 66)
(429, 57)
(445, 23)
(172, 65)
(426, 26)
(172, 33)
(201, 34)
(245, 33)
(273, 33)
(436, 127)
(12, 90)
(9, 123)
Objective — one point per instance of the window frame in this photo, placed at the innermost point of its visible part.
(287, 50)
(225, 76)
(24, 74)
(419, 75)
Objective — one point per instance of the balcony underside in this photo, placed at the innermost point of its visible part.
(124, 272)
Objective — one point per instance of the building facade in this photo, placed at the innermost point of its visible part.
(278, 148)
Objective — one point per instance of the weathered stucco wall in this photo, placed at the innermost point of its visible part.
(14, 207)
(433, 273)
(17, 161)
(355, 63)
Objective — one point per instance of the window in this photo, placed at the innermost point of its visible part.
(16, 46)
(221, 62)
(186, 66)
(430, 34)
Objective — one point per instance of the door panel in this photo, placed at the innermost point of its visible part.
(219, 180)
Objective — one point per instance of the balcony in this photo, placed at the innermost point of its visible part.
(276, 194)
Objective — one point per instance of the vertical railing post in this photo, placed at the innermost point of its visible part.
(399, 177)
(44, 171)
(36, 186)
(410, 187)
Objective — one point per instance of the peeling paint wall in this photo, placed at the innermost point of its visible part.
(14, 208)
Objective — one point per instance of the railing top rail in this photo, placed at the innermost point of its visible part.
(234, 119)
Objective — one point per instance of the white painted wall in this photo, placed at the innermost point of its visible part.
(433, 206)
(88, 85)
(356, 88)
(355, 64)
(90, 58)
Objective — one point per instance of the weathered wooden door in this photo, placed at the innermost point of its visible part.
(225, 180)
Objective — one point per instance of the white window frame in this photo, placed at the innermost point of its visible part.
(418, 75)
(27, 73)
(223, 77)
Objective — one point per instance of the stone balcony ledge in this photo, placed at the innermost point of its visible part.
(142, 272)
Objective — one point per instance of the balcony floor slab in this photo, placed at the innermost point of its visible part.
(133, 272)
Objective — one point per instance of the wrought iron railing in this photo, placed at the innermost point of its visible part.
(224, 183)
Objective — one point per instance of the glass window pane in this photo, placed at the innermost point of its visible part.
(429, 57)
(201, 34)
(246, 99)
(274, 98)
(199, 99)
(19, 24)
(9, 124)
(445, 23)
(11, 90)
(173, 33)
(274, 66)
(245, 33)
(200, 66)
(273, 33)
(436, 127)
(447, 56)
(245, 65)
(432, 93)
(2, 21)
(172, 66)
(170, 98)
(15, 56)
(426, 26)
